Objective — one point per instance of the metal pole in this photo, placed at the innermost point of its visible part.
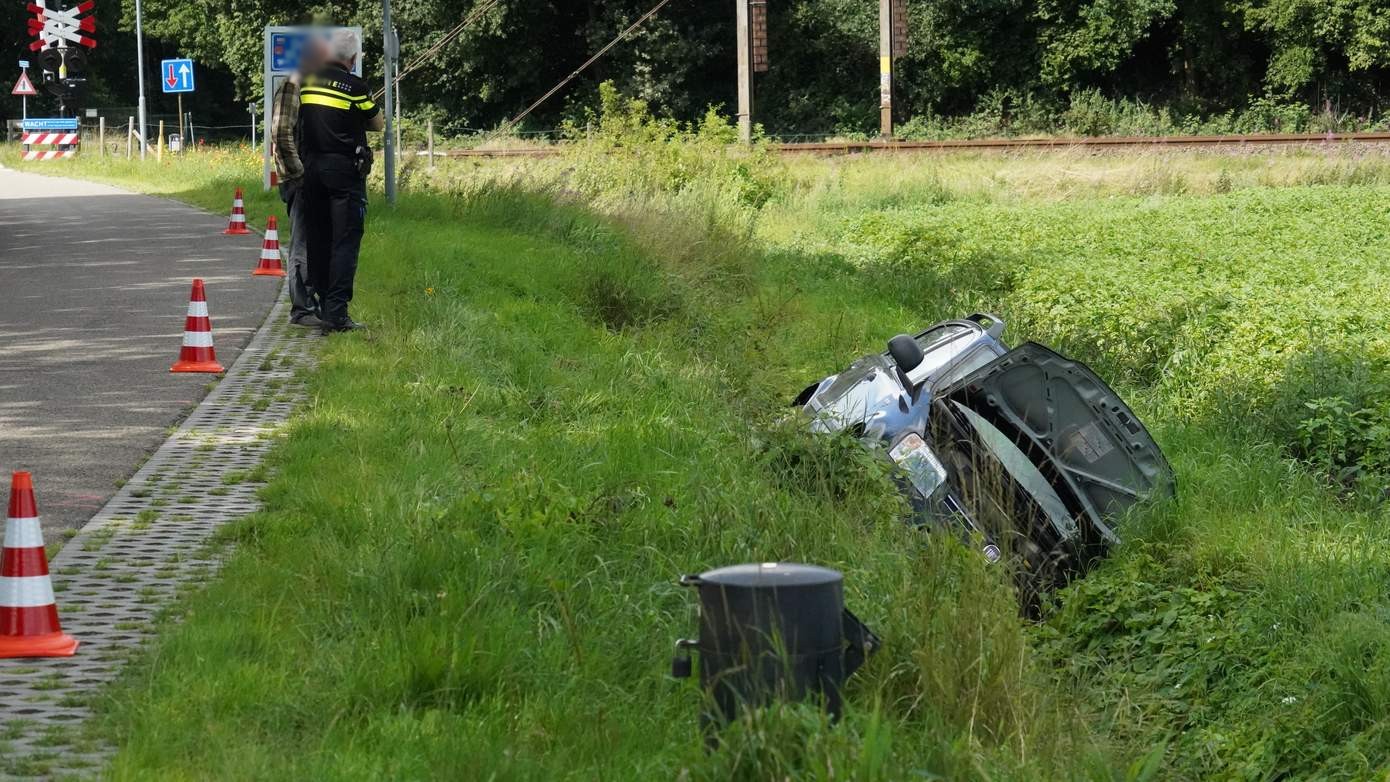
(140, 78)
(429, 133)
(129, 133)
(180, 123)
(745, 71)
(388, 49)
(101, 135)
(885, 68)
(397, 70)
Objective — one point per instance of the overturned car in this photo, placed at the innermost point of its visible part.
(1023, 449)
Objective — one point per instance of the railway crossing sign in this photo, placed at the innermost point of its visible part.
(24, 86)
(176, 75)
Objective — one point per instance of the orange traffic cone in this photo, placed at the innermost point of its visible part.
(197, 354)
(270, 265)
(28, 612)
(237, 225)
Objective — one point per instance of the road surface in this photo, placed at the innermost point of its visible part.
(94, 285)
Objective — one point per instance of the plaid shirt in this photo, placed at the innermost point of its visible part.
(288, 166)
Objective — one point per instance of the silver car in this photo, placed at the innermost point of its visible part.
(1027, 450)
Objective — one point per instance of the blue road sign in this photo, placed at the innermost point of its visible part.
(56, 123)
(286, 49)
(176, 75)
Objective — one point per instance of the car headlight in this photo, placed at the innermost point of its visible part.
(923, 469)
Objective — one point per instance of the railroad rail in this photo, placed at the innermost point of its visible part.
(1079, 142)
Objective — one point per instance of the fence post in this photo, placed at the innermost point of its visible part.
(129, 134)
(429, 132)
(101, 136)
(159, 150)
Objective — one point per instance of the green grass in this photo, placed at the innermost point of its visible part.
(569, 397)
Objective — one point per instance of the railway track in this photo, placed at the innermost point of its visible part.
(1093, 142)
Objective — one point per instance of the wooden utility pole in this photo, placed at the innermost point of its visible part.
(885, 68)
(745, 71)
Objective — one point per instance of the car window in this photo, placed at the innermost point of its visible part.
(939, 333)
(1023, 471)
(952, 358)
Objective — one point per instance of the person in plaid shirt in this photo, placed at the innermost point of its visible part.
(304, 303)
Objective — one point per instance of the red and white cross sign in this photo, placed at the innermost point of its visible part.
(58, 28)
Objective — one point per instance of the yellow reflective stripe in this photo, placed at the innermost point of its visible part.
(322, 100)
(366, 105)
(333, 93)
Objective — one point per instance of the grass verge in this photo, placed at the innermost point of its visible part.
(466, 565)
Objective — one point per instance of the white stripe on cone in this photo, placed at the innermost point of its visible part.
(23, 533)
(197, 339)
(270, 254)
(26, 592)
(198, 309)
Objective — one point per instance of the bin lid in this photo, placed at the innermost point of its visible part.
(771, 574)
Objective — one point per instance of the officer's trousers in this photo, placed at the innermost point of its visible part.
(335, 207)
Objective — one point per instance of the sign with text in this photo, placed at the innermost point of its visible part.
(53, 123)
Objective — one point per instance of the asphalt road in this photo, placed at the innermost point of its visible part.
(94, 285)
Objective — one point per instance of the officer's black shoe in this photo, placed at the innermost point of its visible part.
(346, 324)
(307, 319)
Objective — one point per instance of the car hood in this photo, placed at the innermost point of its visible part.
(1085, 440)
(868, 398)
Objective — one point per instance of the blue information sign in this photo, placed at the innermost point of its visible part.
(286, 49)
(176, 75)
(55, 123)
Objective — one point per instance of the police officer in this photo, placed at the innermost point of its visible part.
(335, 112)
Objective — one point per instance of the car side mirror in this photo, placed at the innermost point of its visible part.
(906, 353)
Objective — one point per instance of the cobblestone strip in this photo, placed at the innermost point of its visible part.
(149, 541)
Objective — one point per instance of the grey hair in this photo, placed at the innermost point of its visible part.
(343, 45)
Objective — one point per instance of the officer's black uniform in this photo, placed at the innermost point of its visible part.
(334, 109)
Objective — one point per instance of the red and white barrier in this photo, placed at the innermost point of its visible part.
(50, 138)
(49, 154)
(67, 138)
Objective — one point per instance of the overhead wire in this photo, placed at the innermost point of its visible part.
(473, 15)
(476, 14)
(542, 99)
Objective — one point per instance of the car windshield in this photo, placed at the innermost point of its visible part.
(1022, 470)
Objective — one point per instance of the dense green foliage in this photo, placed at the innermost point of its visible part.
(571, 394)
(1010, 66)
